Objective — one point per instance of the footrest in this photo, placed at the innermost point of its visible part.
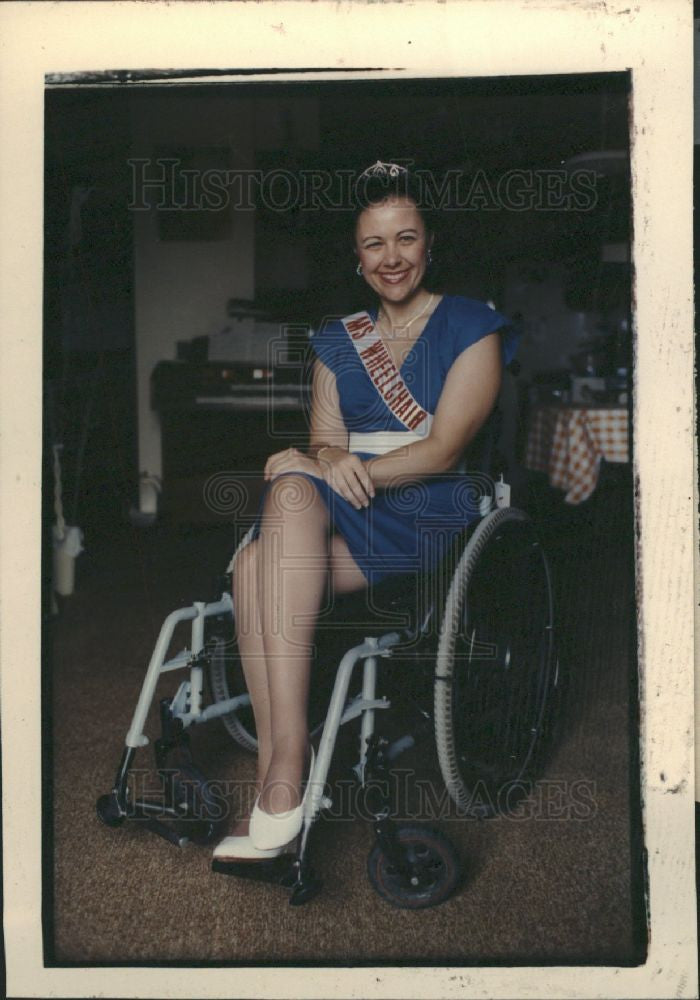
(275, 870)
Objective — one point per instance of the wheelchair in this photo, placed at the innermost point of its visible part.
(473, 648)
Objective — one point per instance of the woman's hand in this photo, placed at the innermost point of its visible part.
(346, 474)
(289, 460)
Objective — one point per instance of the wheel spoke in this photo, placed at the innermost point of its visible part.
(499, 659)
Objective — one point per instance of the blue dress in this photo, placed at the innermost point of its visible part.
(406, 528)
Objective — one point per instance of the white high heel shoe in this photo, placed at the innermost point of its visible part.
(269, 830)
(242, 849)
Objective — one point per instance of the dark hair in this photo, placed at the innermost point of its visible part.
(375, 186)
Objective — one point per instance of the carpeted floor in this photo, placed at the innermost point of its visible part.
(559, 883)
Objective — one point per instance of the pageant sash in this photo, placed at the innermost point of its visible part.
(385, 376)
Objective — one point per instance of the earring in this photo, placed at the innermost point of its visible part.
(429, 260)
(358, 270)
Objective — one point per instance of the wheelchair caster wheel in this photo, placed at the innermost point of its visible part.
(433, 869)
(305, 891)
(108, 810)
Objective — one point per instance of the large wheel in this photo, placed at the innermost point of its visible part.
(226, 678)
(227, 681)
(494, 673)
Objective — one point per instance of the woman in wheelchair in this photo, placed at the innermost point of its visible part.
(398, 393)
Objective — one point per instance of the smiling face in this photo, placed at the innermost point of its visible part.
(392, 244)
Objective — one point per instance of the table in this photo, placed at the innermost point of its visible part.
(568, 442)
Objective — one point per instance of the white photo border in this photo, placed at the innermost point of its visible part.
(651, 38)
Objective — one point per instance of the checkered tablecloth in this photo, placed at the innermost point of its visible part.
(568, 443)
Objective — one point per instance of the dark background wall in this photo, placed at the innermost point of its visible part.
(108, 321)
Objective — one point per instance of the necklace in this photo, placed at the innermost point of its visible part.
(404, 326)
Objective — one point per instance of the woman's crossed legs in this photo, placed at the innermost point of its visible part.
(279, 581)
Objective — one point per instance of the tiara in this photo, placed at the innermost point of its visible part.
(380, 169)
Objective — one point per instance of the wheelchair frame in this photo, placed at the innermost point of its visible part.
(410, 871)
